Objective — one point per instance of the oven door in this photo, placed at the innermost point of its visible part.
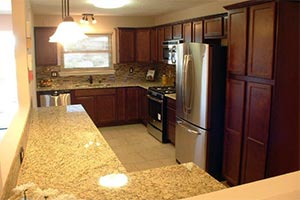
(155, 109)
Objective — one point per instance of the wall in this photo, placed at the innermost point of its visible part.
(209, 8)
(9, 146)
(6, 22)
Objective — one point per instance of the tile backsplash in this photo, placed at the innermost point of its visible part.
(122, 74)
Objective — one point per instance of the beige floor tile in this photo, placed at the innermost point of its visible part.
(137, 149)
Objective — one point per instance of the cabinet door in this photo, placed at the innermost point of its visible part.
(198, 31)
(177, 31)
(257, 119)
(213, 28)
(154, 45)
(171, 119)
(106, 109)
(45, 52)
(233, 134)
(161, 38)
(187, 32)
(237, 41)
(144, 106)
(261, 40)
(225, 26)
(168, 33)
(142, 53)
(121, 104)
(88, 103)
(132, 104)
(125, 45)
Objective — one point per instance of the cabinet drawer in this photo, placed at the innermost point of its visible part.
(94, 92)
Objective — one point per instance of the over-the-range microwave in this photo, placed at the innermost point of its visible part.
(169, 51)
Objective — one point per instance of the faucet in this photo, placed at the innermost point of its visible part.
(90, 79)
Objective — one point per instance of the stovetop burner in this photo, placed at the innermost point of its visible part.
(164, 89)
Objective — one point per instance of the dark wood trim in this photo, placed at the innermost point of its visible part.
(251, 79)
(245, 4)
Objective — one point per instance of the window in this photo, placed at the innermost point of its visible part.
(92, 55)
(8, 83)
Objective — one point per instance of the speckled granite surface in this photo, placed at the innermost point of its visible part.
(71, 86)
(171, 96)
(65, 151)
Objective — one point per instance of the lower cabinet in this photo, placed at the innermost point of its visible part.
(100, 104)
(171, 116)
(112, 106)
(144, 115)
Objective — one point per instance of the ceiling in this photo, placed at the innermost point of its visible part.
(135, 8)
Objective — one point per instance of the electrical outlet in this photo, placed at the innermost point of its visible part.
(54, 73)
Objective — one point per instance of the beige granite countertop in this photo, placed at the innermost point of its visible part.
(65, 151)
(171, 96)
(71, 86)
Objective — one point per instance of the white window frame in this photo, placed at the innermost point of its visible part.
(89, 71)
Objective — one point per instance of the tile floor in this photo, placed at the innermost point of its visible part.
(136, 149)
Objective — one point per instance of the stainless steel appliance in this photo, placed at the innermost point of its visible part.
(157, 112)
(169, 51)
(200, 99)
(54, 98)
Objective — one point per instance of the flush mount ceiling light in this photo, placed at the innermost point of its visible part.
(110, 4)
(85, 18)
(67, 31)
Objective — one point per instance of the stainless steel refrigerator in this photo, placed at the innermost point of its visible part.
(200, 100)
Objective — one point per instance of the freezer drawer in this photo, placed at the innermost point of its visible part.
(190, 143)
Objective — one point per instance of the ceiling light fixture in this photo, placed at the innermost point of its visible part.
(110, 4)
(67, 31)
(85, 19)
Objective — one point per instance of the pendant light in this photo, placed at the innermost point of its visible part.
(67, 31)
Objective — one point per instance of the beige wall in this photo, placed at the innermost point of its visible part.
(10, 142)
(211, 8)
(6, 22)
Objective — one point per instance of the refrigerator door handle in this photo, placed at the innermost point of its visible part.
(180, 123)
(188, 83)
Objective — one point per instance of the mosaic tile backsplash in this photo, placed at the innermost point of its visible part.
(122, 74)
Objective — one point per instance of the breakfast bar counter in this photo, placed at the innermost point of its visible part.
(67, 155)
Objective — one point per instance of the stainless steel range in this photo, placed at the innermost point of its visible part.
(157, 112)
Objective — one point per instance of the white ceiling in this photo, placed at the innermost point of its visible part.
(135, 8)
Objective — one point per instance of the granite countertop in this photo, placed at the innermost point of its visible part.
(71, 86)
(65, 151)
(171, 96)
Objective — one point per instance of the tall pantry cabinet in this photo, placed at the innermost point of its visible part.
(262, 96)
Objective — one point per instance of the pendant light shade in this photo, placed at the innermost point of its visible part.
(67, 31)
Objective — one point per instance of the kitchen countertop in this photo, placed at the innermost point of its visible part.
(171, 96)
(71, 86)
(65, 151)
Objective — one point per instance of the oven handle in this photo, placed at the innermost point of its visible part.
(154, 99)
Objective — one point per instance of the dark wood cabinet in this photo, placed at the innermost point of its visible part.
(132, 104)
(168, 35)
(154, 45)
(45, 52)
(198, 31)
(143, 44)
(187, 32)
(237, 38)
(233, 133)
(177, 31)
(257, 119)
(261, 40)
(100, 104)
(225, 26)
(262, 97)
(125, 41)
(171, 122)
(161, 38)
(213, 28)
(144, 115)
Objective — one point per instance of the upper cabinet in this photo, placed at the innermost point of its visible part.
(142, 45)
(125, 45)
(213, 28)
(187, 31)
(177, 31)
(154, 45)
(45, 52)
(198, 31)
(168, 35)
(160, 39)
